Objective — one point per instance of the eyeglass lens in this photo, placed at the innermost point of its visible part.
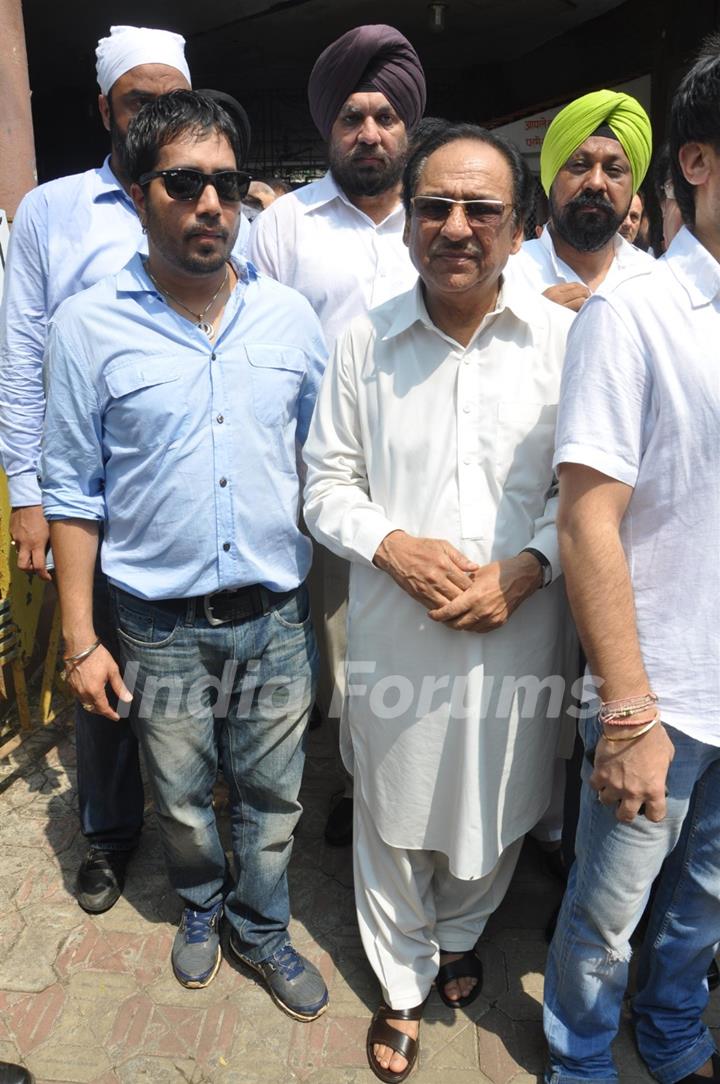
(187, 184)
(479, 212)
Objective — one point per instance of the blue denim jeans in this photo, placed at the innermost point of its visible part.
(236, 695)
(609, 886)
(110, 790)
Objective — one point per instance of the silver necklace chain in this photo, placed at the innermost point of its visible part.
(205, 326)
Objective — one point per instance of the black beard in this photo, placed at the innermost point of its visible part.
(586, 233)
(356, 180)
(118, 141)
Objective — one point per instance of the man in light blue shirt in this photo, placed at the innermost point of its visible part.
(67, 234)
(179, 393)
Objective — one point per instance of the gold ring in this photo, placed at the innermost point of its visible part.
(88, 707)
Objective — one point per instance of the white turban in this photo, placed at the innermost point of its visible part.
(129, 46)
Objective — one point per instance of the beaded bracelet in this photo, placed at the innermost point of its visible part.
(638, 733)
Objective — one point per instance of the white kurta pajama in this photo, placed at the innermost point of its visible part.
(414, 432)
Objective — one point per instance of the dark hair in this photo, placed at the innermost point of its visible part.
(432, 133)
(695, 118)
(162, 121)
(662, 172)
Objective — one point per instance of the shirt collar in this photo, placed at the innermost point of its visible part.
(327, 189)
(409, 308)
(107, 186)
(694, 268)
(134, 279)
(625, 254)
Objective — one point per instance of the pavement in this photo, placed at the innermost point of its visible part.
(93, 999)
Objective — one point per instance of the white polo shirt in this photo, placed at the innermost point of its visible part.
(318, 242)
(541, 267)
(640, 402)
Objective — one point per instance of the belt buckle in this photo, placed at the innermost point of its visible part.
(208, 610)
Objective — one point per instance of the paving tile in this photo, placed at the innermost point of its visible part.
(508, 1047)
(78, 1063)
(153, 1070)
(28, 965)
(32, 1019)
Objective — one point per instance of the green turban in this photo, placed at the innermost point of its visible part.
(577, 121)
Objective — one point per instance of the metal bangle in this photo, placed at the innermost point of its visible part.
(638, 733)
(80, 655)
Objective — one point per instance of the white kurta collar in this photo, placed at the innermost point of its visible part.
(410, 308)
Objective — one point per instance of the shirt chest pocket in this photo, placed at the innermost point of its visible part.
(525, 439)
(148, 404)
(276, 374)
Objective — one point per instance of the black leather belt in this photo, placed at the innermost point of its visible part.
(241, 604)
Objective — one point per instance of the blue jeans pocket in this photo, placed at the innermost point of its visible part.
(143, 624)
(295, 612)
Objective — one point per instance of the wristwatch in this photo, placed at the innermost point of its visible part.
(545, 565)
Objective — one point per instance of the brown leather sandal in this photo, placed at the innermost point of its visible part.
(380, 1032)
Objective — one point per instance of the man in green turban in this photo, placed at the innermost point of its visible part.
(594, 157)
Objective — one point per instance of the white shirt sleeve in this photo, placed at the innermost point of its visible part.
(604, 396)
(263, 246)
(338, 508)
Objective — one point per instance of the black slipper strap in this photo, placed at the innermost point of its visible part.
(467, 967)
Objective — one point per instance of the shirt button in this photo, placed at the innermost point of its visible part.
(219, 419)
(213, 357)
(226, 546)
(223, 483)
(466, 361)
(467, 460)
(466, 408)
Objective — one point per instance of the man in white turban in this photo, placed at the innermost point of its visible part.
(68, 234)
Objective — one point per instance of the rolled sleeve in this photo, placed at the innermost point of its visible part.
(71, 462)
(605, 395)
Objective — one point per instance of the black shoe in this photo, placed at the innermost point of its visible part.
(100, 880)
(695, 1078)
(15, 1074)
(338, 830)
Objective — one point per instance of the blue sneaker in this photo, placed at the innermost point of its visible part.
(196, 949)
(294, 983)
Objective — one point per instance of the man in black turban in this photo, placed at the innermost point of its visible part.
(339, 242)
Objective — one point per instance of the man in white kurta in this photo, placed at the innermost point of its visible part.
(430, 455)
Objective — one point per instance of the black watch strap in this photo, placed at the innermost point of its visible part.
(544, 565)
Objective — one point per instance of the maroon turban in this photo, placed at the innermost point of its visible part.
(371, 58)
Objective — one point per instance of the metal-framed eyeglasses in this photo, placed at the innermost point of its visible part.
(231, 185)
(480, 213)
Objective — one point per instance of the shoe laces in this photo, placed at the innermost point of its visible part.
(199, 924)
(288, 961)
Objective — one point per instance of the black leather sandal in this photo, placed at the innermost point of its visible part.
(381, 1033)
(467, 967)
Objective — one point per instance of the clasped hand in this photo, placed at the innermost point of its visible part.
(456, 591)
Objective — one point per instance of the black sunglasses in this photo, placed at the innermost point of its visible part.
(479, 212)
(231, 185)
